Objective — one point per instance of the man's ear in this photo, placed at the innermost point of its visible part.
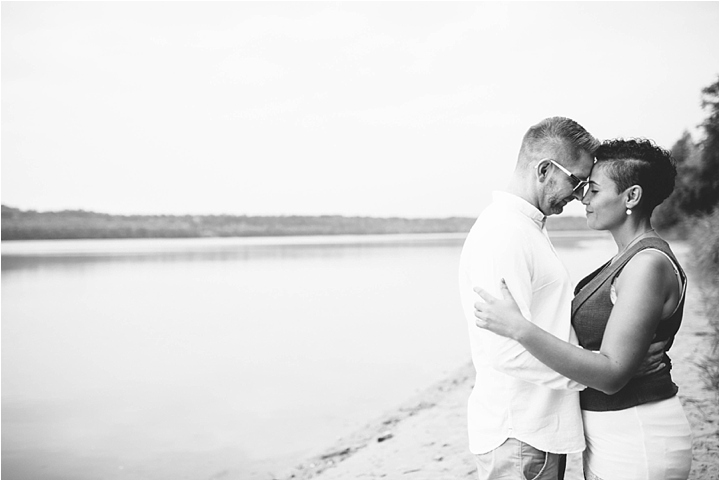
(633, 195)
(542, 170)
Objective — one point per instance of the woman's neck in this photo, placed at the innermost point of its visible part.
(630, 232)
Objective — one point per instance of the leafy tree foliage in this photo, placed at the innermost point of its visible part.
(696, 185)
(708, 197)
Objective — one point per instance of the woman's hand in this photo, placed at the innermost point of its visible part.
(501, 316)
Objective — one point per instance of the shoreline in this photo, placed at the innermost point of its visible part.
(385, 428)
(426, 437)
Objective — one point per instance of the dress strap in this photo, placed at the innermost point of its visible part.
(611, 269)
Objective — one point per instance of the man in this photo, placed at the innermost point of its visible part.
(523, 418)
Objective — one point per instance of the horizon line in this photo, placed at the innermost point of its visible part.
(6, 206)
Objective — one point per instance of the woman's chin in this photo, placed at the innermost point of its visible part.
(591, 223)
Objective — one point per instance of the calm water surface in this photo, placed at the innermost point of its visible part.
(221, 358)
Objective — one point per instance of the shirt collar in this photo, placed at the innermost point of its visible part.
(519, 204)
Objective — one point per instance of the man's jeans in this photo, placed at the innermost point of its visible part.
(518, 460)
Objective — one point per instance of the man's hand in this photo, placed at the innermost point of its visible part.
(653, 359)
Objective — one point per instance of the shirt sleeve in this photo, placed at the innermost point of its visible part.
(512, 260)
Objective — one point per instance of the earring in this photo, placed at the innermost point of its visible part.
(628, 212)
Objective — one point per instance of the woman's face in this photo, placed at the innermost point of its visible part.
(604, 205)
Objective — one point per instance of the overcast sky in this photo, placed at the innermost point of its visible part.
(353, 108)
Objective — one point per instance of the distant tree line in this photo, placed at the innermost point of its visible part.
(79, 224)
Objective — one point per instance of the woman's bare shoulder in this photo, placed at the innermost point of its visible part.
(650, 266)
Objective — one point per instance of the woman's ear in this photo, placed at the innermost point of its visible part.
(633, 195)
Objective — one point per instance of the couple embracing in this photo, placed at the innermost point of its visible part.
(562, 370)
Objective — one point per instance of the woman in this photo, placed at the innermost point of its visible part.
(635, 427)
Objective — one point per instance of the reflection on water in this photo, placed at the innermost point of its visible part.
(24, 255)
(220, 358)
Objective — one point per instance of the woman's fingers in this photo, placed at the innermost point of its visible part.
(483, 308)
(482, 316)
(505, 290)
(480, 319)
(484, 295)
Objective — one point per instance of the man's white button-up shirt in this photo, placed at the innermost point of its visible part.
(515, 395)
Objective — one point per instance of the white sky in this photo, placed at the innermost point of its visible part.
(355, 108)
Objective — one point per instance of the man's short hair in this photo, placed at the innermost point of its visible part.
(557, 132)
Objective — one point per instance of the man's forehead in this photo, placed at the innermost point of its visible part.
(577, 160)
(584, 165)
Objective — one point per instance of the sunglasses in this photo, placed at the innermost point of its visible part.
(580, 184)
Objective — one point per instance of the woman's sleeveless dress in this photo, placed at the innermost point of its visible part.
(641, 432)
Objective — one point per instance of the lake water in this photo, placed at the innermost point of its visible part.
(222, 358)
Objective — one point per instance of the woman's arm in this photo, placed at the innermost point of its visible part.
(642, 291)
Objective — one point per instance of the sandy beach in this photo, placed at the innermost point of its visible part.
(426, 437)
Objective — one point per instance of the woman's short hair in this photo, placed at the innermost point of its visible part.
(639, 162)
